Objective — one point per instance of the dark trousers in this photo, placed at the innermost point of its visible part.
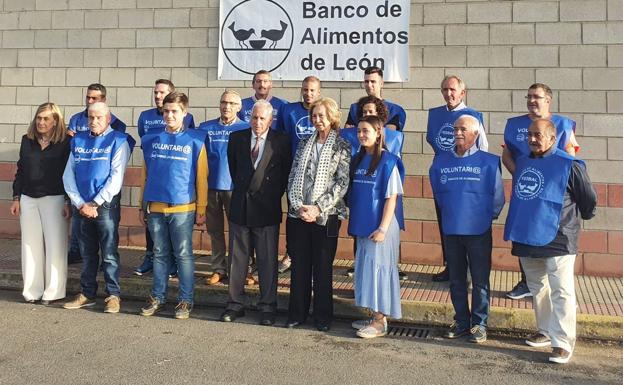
(443, 248)
(243, 240)
(312, 253)
(478, 247)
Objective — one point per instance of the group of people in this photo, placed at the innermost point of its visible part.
(260, 148)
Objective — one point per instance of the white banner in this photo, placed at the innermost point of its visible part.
(293, 39)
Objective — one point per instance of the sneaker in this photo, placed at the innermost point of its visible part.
(519, 291)
(153, 307)
(455, 331)
(538, 340)
(215, 278)
(560, 356)
(372, 332)
(478, 334)
(183, 309)
(113, 304)
(146, 266)
(79, 301)
(360, 324)
(350, 272)
(402, 276)
(285, 264)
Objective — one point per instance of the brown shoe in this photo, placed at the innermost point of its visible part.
(215, 278)
(250, 280)
(79, 301)
(560, 356)
(113, 304)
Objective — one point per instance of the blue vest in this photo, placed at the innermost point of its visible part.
(294, 121)
(80, 122)
(216, 146)
(247, 109)
(151, 121)
(393, 140)
(171, 162)
(366, 197)
(539, 186)
(92, 157)
(516, 134)
(395, 114)
(440, 129)
(464, 189)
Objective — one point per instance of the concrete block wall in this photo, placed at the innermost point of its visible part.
(50, 50)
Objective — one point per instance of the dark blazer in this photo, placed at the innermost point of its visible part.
(256, 197)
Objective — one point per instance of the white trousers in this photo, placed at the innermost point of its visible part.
(44, 247)
(551, 283)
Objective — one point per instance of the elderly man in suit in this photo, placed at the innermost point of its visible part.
(259, 163)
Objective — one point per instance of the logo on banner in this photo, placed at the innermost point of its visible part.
(445, 137)
(243, 36)
(529, 184)
(304, 128)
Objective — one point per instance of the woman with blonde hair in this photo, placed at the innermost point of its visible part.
(317, 184)
(39, 200)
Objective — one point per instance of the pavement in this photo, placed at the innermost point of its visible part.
(600, 299)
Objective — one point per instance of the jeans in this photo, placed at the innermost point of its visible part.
(100, 233)
(457, 249)
(173, 241)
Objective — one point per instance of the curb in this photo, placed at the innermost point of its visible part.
(423, 313)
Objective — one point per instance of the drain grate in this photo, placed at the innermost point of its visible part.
(408, 332)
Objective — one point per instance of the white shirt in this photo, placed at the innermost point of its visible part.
(262, 144)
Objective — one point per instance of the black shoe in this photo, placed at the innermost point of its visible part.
(443, 276)
(402, 276)
(293, 324)
(456, 332)
(231, 315)
(323, 327)
(350, 272)
(267, 318)
(519, 291)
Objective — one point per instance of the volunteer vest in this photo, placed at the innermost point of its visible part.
(395, 113)
(516, 134)
(247, 109)
(464, 189)
(92, 157)
(440, 130)
(216, 146)
(80, 122)
(171, 162)
(366, 197)
(393, 140)
(152, 122)
(539, 186)
(294, 121)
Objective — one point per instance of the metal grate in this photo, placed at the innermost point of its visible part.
(408, 332)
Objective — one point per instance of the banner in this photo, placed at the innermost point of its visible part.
(293, 39)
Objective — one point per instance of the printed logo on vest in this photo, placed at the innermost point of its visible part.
(304, 128)
(443, 179)
(529, 184)
(521, 134)
(445, 137)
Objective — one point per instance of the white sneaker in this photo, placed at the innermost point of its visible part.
(360, 324)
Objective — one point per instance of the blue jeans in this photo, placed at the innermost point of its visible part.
(173, 241)
(475, 251)
(100, 233)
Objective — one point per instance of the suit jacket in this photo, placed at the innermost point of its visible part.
(256, 196)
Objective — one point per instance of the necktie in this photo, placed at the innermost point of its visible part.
(255, 152)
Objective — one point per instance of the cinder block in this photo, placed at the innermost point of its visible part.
(497, 122)
(614, 148)
(583, 10)
(560, 78)
(135, 57)
(172, 18)
(100, 58)
(84, 38)
(614, 102)
(119, 4)
(145, 77)
(204, 18)
(153, 38)
(615, 9)
(7, 133)
(203, 57)
(18, 39)
(32, 95)
(489, 12)
(408, 99)
(9, 20)
(82, 76)
(558, 33)
(602, 33)
(195, 37)
(593, 148)
(416, 56)
(9, 58)
(8, 95)
(73, 19)
(474, 78)
(120, 77)
(19, 5)
(100, 19)
(603, 125)
(494, 100)
(511, 33)
(85, 4)
(607, 218)
(51, 4)
(33, 58)
(15, 114)
(170, 57)
(118, 38)
(445, 14)
(17, 77)
(427, 35)
(468, 34)
(603, 79)
(615, 56)
(583, 56)
(49, 77)
(154, 3)
(511, 78)
(535, 56)
(136, 18)
(425, 78)
(35, 20)
(51, 39)
(67, 96)
(489, 56)
(190, 3)
(67, 58)
(134, 97)
(204, 96)
(535, 11)
(583, 101)
(416, 17)
(445, 57)
(190, 77)
(413, 143)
